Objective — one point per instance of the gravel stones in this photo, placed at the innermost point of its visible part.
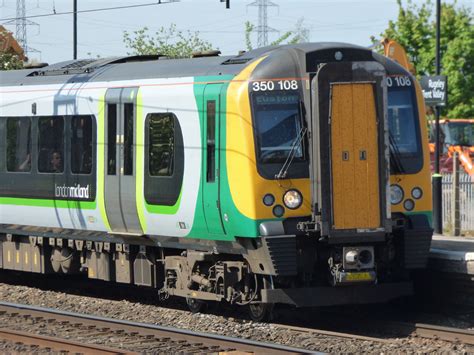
(172, 313)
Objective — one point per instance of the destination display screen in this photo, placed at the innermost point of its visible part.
(277, 99)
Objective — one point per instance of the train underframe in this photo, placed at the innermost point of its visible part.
(300, 270)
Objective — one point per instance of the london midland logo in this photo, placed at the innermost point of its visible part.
(77, 191)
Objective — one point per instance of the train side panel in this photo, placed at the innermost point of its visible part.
(21, 207)
(171, 96)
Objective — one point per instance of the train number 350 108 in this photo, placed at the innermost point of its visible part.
(275, 85)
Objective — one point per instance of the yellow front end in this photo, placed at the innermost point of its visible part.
(247, 186)
(421, 179)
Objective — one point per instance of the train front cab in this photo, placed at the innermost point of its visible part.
(361, 242)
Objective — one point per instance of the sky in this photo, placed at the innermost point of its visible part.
(101, 33)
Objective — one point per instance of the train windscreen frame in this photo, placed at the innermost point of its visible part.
(278, 124)
(406, 155)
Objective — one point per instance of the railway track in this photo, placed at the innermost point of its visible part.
(430, 331)
(35, 342)
(324, 330)
(463, 336)
(332, 333)
(95, 334)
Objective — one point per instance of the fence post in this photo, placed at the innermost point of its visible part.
(455, 208)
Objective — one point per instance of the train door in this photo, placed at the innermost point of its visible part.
(211, 159)
(354, 156)
(120, 160)
(353, 167)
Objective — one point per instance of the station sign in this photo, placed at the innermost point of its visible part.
(435, 90)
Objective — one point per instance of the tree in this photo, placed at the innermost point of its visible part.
(9, 61)
(10, 51)
(415, 29)
(169, 42)
(299, 34)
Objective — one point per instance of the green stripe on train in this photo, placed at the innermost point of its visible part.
(84, 205)
(162, 209)
(236, 223)
(101, 161)
(428, 215)
(140, 164)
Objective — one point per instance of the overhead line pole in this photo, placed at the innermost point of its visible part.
(437, 178)
(75, 29)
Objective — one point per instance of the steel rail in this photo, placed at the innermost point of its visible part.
(464, 336)
(421, 330)
(331, 333)
(238, 344)
(57, 344)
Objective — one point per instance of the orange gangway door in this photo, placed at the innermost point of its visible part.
(354, 160)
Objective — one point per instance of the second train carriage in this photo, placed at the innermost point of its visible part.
(275, 176)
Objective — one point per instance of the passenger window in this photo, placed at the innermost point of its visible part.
(19, 144)
(112, 139)
(161, 144)
(128, 140)
(51, 144)
(211, 141)
(81, 144)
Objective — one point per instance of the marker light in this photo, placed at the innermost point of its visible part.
(417, 193)
(278, 211)
(409, 205)
(268, 200)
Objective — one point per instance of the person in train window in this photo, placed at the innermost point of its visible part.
(56, 164)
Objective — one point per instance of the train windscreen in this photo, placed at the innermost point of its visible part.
(404, 130)
(278, 126)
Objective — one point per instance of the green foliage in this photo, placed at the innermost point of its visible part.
(298, 35)
(169, 42)
(10, 61)
(249, 27)
(415, 29)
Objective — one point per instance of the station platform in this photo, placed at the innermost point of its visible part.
(452, 254)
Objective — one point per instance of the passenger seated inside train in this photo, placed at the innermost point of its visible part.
(56, 163)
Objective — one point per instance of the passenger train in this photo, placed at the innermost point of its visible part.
(295, 174)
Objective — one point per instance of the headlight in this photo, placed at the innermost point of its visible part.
(417, 193)
(409, 205)
(292, 199)
(396, 194)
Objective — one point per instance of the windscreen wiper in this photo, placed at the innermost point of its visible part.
(395, 156)
(297, 143)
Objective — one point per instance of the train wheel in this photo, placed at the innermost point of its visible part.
(195, 305)
(261, 312)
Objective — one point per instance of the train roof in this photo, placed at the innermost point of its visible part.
(148, 67)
